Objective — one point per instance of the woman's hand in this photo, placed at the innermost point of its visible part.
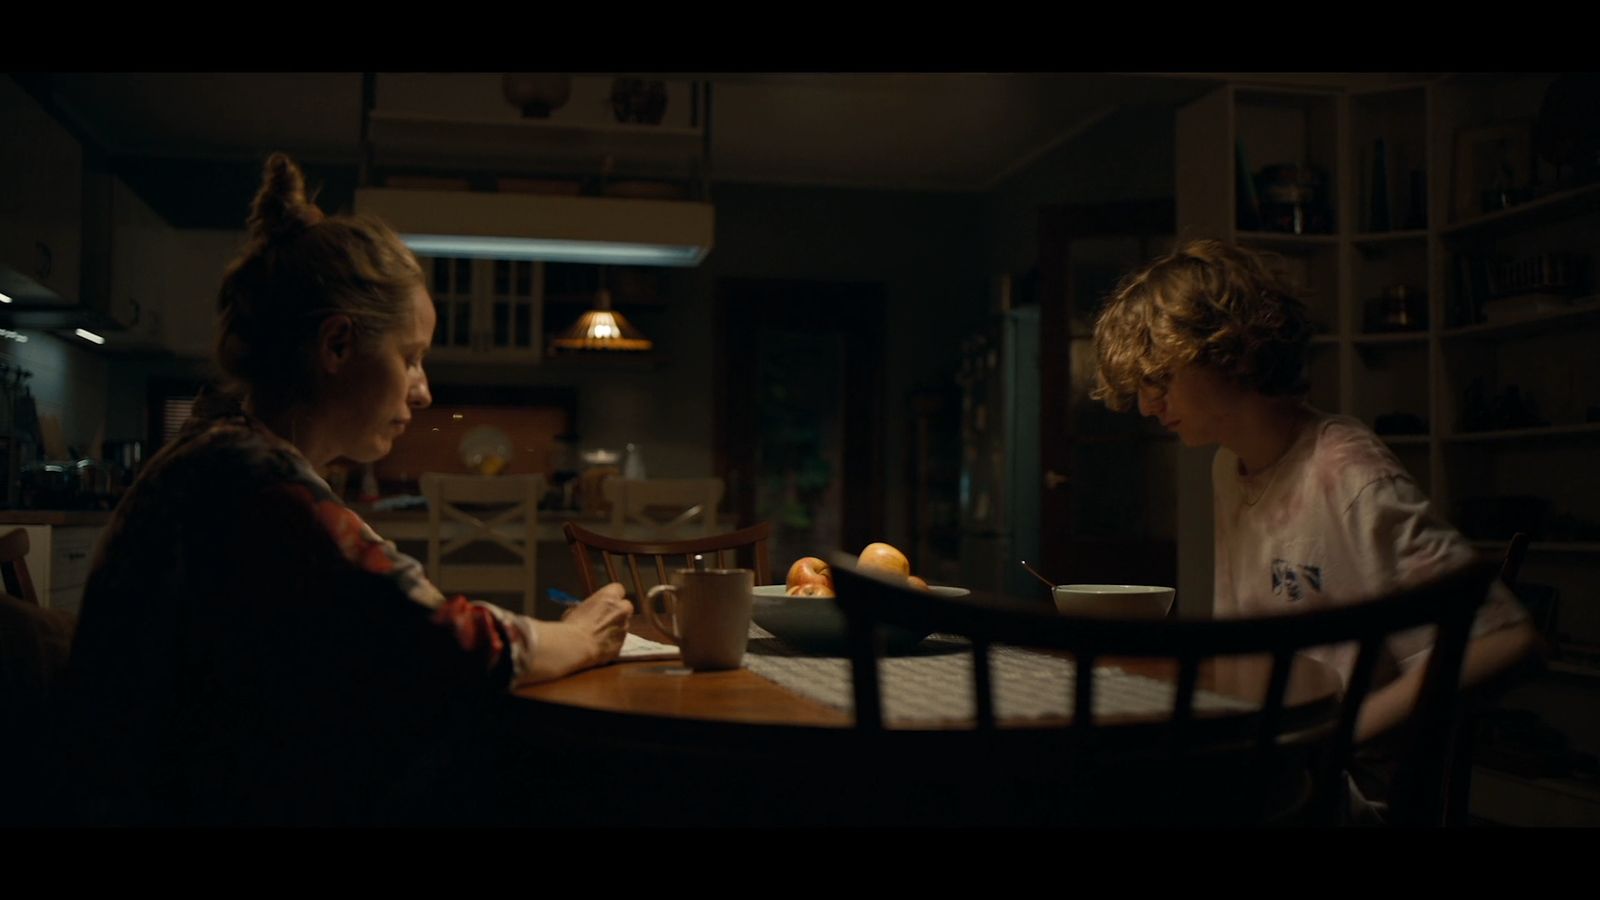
(604, 616)
(589, 634)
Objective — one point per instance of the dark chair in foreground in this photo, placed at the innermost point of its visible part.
(1458, 798)
(1279, 764)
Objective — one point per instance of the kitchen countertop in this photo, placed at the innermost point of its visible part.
(421, 513)
(54, 517)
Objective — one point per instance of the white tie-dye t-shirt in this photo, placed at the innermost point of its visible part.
(1337, 519)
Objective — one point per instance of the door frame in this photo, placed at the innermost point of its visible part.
(1059, 226)
(857, 311)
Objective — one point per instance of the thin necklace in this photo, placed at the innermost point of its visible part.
(1277, 465)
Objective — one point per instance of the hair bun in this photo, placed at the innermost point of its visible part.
(281, 207)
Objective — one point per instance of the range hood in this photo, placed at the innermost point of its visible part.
(596, 230)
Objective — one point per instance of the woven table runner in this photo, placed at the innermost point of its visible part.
(934, 684)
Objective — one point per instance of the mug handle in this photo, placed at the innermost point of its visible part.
(655, 617)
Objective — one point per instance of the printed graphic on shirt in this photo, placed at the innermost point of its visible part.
(1292, 580)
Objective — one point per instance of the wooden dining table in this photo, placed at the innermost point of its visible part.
(666, 688)
(742, 748)
(651, 742)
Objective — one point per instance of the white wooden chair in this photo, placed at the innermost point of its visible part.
(663, 508)
(513, 524)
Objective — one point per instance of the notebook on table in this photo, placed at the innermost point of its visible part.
(636, 648)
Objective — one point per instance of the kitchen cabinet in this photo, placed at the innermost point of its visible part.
(489, 310)
(61, 547)
(41, 201)
(141, 256)
(461, 123)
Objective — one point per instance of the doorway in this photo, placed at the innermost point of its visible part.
(799, 401)
(1109, 511)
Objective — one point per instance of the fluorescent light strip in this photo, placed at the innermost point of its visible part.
(5, 298)
(89, 336)
(598, 252)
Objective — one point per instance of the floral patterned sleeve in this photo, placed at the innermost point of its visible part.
(483, 630)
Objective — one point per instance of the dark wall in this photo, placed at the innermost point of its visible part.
(209, 193)
(1129, 155)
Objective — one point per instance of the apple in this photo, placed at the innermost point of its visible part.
(885, 559)
(810, 590)
(808, 570)
(917, 583)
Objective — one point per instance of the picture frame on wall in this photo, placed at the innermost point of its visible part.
(1493, 168)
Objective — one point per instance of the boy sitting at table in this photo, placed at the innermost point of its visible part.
(1311, 509)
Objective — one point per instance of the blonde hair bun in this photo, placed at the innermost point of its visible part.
(281, 208)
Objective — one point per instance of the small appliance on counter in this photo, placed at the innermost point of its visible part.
(599, 464)
(563, 464)
(66, 484)
(126, 458)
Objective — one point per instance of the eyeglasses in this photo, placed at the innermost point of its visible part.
(1156, 385)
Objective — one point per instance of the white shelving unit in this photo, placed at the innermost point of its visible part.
(1545, 347)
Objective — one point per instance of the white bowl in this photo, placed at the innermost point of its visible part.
(1123, 601)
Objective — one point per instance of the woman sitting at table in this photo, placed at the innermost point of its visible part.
(249, 649)
(1311, 509)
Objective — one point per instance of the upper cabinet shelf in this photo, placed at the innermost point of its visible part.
(402, 138)
(468, 125)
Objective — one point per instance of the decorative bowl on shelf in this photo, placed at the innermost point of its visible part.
(537, 94)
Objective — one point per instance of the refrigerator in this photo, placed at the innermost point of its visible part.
(1000, 482)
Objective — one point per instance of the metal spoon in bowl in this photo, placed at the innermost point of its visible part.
(1047, 582)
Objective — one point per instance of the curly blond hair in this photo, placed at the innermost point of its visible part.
(1207, 303)
(299, 268)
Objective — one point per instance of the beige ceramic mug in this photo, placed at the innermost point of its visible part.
(708, 615)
